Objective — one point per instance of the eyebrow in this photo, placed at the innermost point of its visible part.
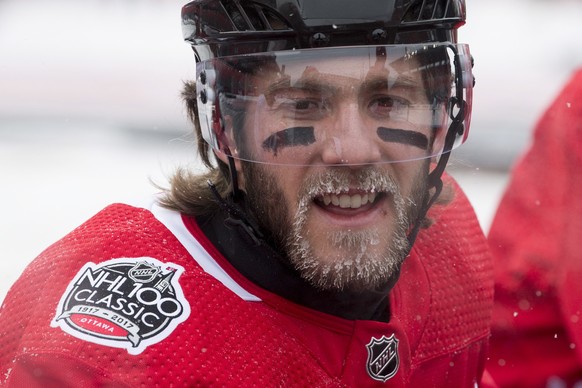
(407, 81)
(306, 84)
(402, 82)
(403, 136)
(280, 83)
(371, 83)
(290, 137)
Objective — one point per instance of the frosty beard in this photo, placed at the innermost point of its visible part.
(359, 266)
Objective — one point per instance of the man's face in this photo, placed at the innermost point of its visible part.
(341, 228)
(326, 192)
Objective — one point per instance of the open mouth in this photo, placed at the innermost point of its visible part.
(359, 200)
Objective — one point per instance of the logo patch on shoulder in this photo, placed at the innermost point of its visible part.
(383, 359)
(128, 303)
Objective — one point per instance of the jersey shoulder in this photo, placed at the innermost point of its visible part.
(451, 263)
(120, 293)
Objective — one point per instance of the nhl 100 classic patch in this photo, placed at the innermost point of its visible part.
(383, 360)
(128, 303)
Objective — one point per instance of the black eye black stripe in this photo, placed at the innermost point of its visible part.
(301, 136)
(403, 136)
(290, 137)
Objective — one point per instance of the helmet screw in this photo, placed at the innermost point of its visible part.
(379, 34)
(319, 39)
(203, 98)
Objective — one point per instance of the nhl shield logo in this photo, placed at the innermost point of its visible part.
(129, 303)
(143, 272)
(383, 360)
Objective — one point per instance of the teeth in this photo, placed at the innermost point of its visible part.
(346, 201)
(356, 201)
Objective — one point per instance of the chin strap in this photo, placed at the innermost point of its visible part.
(457, 112)
(233, 205)
(434, 182)
(435, 177)
(236, 193)
(236, 215)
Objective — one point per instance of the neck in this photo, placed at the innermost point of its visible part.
(259, 263)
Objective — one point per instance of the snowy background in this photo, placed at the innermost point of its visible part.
(90, 108)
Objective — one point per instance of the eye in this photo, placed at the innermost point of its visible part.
(305, 104)
(299, 103)
(389, 107)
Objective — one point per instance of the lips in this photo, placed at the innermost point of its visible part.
(354, 210)
(348, 198)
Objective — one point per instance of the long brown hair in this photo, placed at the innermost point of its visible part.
(189, 191)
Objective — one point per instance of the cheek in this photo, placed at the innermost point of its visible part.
(290, 184)
(410, 176)
(283, 187)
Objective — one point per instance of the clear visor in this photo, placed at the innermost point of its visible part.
(347, 105)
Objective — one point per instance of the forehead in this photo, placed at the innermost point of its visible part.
(341, 70)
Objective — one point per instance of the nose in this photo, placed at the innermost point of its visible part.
(350, 138)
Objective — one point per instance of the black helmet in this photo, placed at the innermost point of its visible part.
(237, 42)
(218, 28)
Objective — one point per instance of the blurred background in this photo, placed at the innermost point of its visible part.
(90, 108)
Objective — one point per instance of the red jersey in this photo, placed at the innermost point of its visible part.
(141, 298)
(535, 241)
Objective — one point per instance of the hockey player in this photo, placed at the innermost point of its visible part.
(305, 256)
(535, 239)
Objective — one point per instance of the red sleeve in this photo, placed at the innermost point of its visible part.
(55, 371)
(24, 329)
(32, 353)
(535, 242)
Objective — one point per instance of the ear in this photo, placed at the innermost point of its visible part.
(440, 129)
(439, 139)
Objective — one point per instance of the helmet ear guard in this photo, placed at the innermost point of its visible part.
(459, 110)
(208, 111)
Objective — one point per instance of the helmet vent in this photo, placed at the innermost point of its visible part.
(426, 10)
(253, 17)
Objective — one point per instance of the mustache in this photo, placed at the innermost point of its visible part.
(338, 180)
